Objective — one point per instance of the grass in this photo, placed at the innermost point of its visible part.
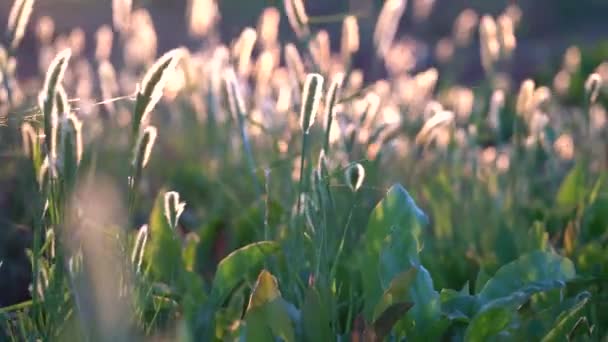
(208, 202)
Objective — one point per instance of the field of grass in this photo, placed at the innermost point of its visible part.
(269, 190)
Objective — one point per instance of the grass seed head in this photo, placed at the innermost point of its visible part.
(144, 147)
(268, 27)
(593, 85)
(525, 98)
(489, 43)
(506, 35)
(45, 29)
(440, 119)
(121, 15)
(137, 255)
(311, 98)
(387, 25)
(104, 38)
(202, 16)
(332, 98)
(350, 38)
(354, 174)
(298, 19)
(18, 18)
(153, 84)
(245, 45)
(294, 63)
(235, 98)
(173, 208)
(497, 103)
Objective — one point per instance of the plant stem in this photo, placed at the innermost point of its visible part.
(302, 183)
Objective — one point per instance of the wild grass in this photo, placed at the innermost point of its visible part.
(306, 202)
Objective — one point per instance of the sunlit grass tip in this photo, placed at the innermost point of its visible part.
(593, 85)
(18, 18)
(311, 99)
(298, 19)
(173, 208)
(354, 175)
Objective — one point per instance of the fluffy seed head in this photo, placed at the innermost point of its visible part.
(440, 119)
(153, 84)
(103, 39)
(388, 23)
(354, 176)
(121, 14)
(298, 19)
(202, 16)
(525, 98)
(593, 86)
(47, 101)
(506, 35)
(311, 98)
(173, 208)
(350, 37)
(17, 21)
(268, 27)
(489, 43)
(144, 147)
(497, 103)
(294, 62)
(45, 29)
(245, 46)
(235, 98)
(137, 255)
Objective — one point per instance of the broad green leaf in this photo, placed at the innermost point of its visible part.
(387, 319)
(397, 292)
(595, 220)
(267, 308)
(567, 320)
(266, 290)
(495, 316)
(572, 190)
(488, 324)
(390, 243)
(315, 317)
(239, 265)
(540, 324)
(163, 254)
(391, 246)
(397, 209)
(481, 280)
(457, 306)
(534, 272)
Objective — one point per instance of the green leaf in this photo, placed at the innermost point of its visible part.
(268, 310)
(390, 243)
(397, 209)
(387, 319)
(482, 279)
(457, 306)
(163, 254)
(572, 190)
(239, 265)
(567, 320)
(488, 324)
(534, 272)
(398, 291)
(315, 317)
